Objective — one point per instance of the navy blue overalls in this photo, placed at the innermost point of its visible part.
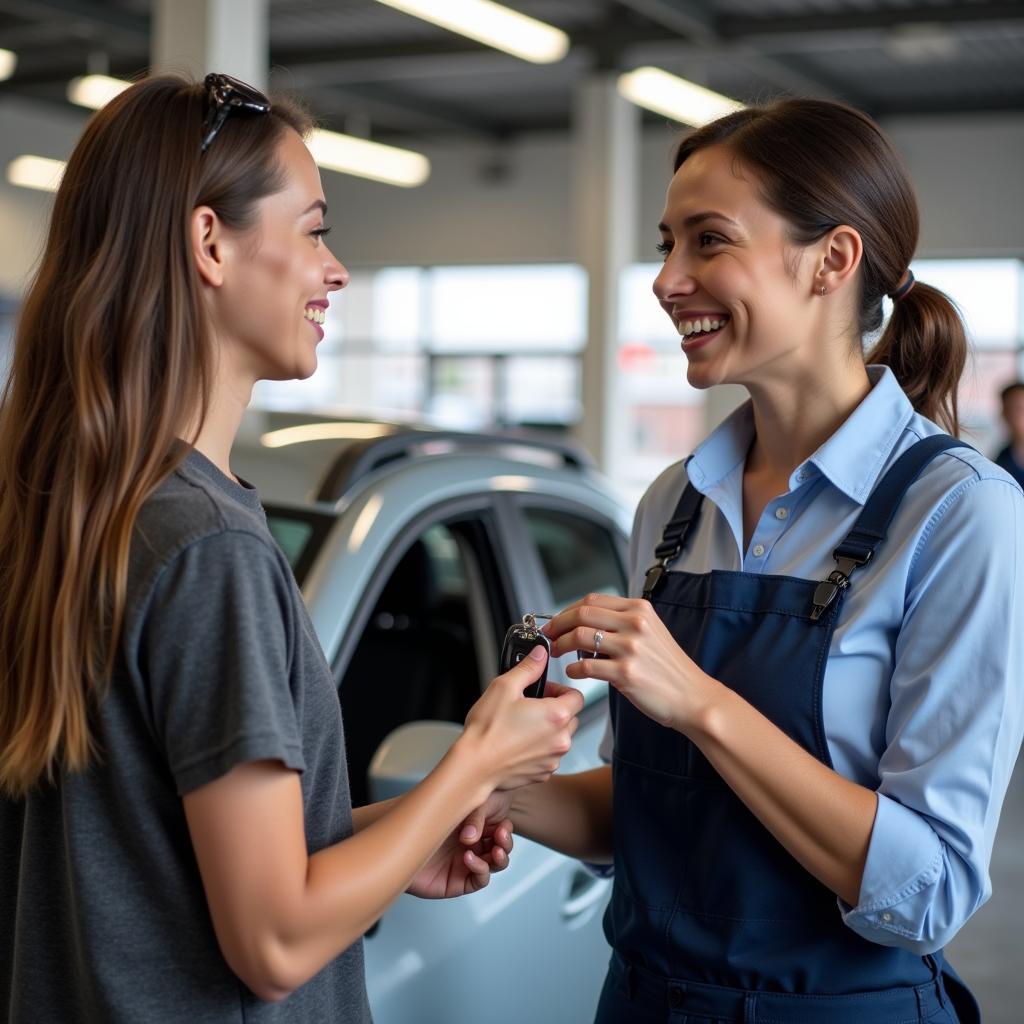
(711, 919)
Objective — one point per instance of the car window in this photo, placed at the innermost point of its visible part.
(417, 656)
(299, 534)
(292, 536)
(579, 555)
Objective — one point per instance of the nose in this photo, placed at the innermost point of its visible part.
(336, 274)
(673, 280)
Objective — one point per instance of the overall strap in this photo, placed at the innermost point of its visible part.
(673, 538)
(859, 546)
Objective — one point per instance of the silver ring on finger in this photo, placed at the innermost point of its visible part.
(598, 640)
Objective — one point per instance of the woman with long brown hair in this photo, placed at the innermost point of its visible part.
(816, 700)
(176, 837)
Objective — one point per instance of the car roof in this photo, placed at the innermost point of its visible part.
(359, 459)
(328, 462)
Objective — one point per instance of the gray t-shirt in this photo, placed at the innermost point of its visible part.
(103, 917)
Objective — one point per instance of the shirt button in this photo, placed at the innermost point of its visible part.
(781, 513)
(675, 997)
(887, 917)
(758, 550)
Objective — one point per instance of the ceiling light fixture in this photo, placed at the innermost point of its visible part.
(336, 152)
(8, 62)
(332, 431)
(95, 91)
(674, 97)
(38, 172)
(350, 155)
(493, 25)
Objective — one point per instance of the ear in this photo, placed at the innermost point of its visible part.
(840, 253)
(209, 245)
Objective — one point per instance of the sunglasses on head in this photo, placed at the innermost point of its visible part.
(224, 96)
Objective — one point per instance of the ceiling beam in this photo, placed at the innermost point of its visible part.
(742, 26)
(694, 22)
(397, 110)
(87, 16)
(916, 107)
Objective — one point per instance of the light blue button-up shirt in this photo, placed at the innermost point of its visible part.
(923, 695)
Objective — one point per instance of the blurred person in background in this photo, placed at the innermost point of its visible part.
(1011, 458)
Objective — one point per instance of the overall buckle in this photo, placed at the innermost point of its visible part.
(654, 575)
(838, 580)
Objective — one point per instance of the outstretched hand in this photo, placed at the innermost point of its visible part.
(639, 657)
(464, 864)
(518, 739)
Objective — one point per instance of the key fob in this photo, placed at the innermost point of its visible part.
(519, 641)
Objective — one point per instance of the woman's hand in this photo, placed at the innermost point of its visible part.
(521, 739)
(639, 657)
(493, 815)
(464, 863)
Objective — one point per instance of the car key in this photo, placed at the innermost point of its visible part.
(519, 641)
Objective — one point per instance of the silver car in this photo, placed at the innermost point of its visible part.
(415, 552)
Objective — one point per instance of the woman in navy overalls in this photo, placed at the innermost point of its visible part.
(816, 702)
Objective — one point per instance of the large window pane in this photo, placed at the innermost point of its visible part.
(397, 309)
(541, 389)
(449, 344)
(371, 383)
(499, 309)
(463, 392)
(987, 292)
(663, 418)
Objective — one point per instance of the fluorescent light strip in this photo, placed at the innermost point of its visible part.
(674, 97)
(493, 25)
(349, 155)
(343, 153)
(38, 172)
(8, 62)
(335, 430)
(95, 91)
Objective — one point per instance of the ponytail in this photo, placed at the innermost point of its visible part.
(925, 346)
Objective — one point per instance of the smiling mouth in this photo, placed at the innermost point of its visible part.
(699, 327)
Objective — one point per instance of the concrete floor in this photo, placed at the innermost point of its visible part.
(989, 952)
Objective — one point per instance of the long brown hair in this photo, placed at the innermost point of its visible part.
(112, 362)
(821, 164)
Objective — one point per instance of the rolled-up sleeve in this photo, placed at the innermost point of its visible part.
(955, 724)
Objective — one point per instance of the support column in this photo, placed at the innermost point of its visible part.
(606, 154)
(196, 37)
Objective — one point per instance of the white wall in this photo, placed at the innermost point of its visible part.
(967, 170)
(968, 173)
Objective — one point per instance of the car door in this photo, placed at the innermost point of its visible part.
(430, 630)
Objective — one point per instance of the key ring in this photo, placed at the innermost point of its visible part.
(530, 619)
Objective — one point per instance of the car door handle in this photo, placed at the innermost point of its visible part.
(584, 890)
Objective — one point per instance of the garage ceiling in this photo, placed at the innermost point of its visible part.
(370, 69)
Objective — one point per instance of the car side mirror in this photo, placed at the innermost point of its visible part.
(407, 754)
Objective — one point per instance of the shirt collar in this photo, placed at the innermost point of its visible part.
(852, 458)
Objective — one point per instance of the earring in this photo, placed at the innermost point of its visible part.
(823, 290)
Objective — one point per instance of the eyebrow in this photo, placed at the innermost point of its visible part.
(699, 218)
(318, 204)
